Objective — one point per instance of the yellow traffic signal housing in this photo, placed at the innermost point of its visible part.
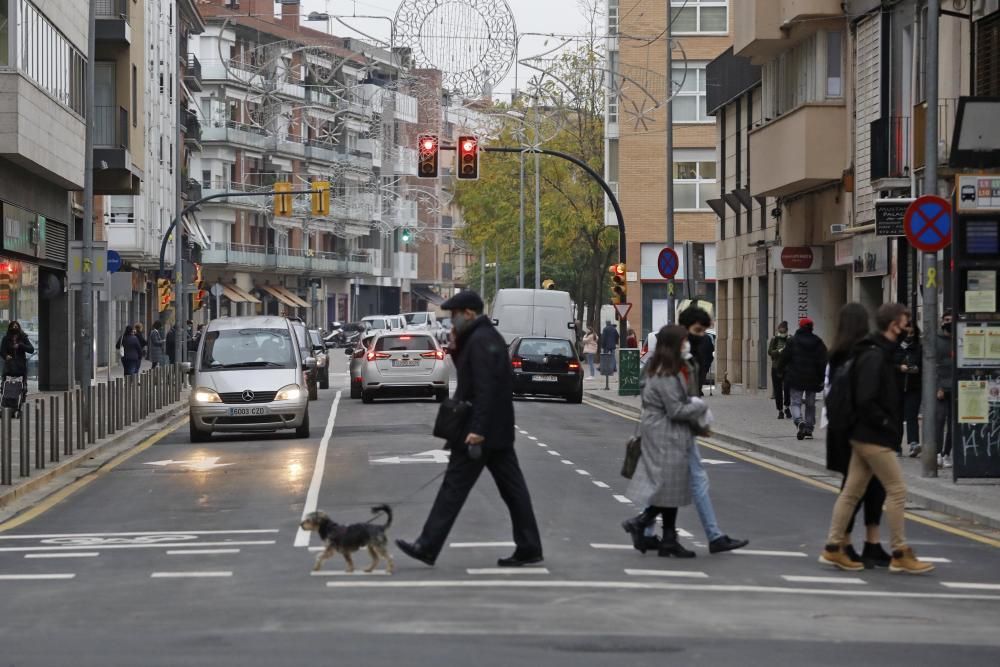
(619, 288)
(320, 198)
(165, 293)
(548, 283)
(282, 200)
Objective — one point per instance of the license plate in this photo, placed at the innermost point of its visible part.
(544, 378)
(247, 412)
(405, 363)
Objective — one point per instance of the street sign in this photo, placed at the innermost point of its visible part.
(217, 290)
(668, 263)
(623, 310)
(978, 193)
(889, 214)
(114, 261)
(928, 223)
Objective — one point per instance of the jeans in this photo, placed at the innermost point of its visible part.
(869, 460)
(702, 501)
(911, 410)
(590, 362)
(942, 427)
(782, 392)
(800, 396)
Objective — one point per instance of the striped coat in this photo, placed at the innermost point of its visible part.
(663, 476)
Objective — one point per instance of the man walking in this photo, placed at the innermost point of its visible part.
(804, 363)
(484, 381)
(782, 397)
(875, 439)
(609, 343)
(945, 372)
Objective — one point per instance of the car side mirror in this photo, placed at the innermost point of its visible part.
(348, 351)
(571, 325)
(496, 322)
(309, 363)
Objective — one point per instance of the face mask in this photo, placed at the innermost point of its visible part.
(946, 327)
(460, 322)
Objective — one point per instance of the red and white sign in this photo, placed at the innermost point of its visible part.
(797, 258)
(623, 310)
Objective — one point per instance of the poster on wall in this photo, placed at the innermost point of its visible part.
(802, 296)
(871, 256)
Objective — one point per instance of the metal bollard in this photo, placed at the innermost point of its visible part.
(53, 428)
(24, 463)
(6, 449)
(40, 434)
(119, 404)
(79, 414)
(101, 413)
(128, 401)
(91, 415)
(67, 424)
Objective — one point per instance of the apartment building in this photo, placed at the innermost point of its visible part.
(636, 139)
(42, 63)
(283, 102)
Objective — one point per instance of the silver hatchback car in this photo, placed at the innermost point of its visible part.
(404, 364)
(248, 376)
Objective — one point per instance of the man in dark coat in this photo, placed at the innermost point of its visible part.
(609, 342)
(804, 363)
(171, 343)
(484, 381)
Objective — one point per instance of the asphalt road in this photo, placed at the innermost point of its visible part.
(186, 554)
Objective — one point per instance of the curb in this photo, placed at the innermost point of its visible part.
(929, 501)
(50, 474)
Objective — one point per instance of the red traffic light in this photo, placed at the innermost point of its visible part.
(468, 157)
(619, 269)
(427, 160)
(428, 144)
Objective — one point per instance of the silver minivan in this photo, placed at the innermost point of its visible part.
(249, 376)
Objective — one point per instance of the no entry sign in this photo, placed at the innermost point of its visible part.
(928, 223)
(668, 263)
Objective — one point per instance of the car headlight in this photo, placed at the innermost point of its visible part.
(202, 395)
(290, 393)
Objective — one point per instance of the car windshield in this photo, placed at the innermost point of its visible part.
(247, 348)
(416, 318)
(404, 343)
(377, 323)
(545, 347)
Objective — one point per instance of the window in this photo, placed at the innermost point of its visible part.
(699, 16)
(135, 96)
(834, 64)
(612, 94)
(612, 17)
(812, 71)
(45, 55)
(689, 99)
(4, 35)
(694, 179)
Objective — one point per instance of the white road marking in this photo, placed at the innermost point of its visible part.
(568, 462)
(189, 575)
(202, 552)
(554, 452)
(507, 570)
(75, 554)
(204, 464)
(765, 552)
(622, 499)
(522, 432)
(666, 573)
(342, 573)
(145, 532)
(479, 545)
(541, 444)
(715, 462)
(683, 533)
(582, 472)
(969, 585)
(531, 437)
(931, 559)
(661, 586)
(611, 546)
(34, 577)
(161, 545)
(796, 579)
(601, 484)
(430, 456)
(312, 496)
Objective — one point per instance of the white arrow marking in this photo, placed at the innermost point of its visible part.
(203, 464)
(715, 462)
(430, 456)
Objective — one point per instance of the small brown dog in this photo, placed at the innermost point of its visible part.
(345, 540)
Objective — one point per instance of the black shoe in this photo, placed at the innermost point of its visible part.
(415, 552)
(781, 415)
(873, 555)
(651, 542)
(851, 553)
(809, 434)
(635, 528)
(801, 434)
(517, 560)
(671, 547)
(725, 543)
(788, 413)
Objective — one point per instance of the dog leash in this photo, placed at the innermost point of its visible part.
(414, 494)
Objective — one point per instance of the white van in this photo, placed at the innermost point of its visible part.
(529, 312)
(421, 321)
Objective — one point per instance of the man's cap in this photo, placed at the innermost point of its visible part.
(464, 300)
(805, 322)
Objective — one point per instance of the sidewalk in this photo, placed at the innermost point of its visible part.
(749, 422)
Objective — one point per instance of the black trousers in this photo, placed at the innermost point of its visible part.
(872, 501)
(911, 412)
(943, 425)
(459, 479)
(781, 390)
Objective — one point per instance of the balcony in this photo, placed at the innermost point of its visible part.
(115, 174)
(804, 148)
(405, 161)
(323, 151)
(292, 260)
(372, 147)
(764, 27)
(406, 108)
(406, 266)
(947, 110)
(192, 73)
(192, 131)
(112, 26)
(890, 152)
(240, 134)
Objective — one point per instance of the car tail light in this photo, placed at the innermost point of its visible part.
(372, 356)
(516, 362)
(406, 338)
(574, 365)
(433, 354)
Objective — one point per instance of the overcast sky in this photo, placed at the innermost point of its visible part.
(544, 16)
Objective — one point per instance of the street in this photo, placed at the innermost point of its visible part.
(187, 554)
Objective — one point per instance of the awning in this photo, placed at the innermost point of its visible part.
(195, 233)
(233, 295)
(276, 293)
(247, 296)
(298, 301)
(427, 295)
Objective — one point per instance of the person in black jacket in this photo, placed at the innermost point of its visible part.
(909, 364)
(804, 363)
(484, 381)
(131, 351)
(875, 439)
(609, 343)
(15, 348)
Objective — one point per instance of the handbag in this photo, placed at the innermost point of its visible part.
(633, 451)
(451, 421)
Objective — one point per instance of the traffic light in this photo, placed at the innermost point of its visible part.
(619, 291)
(199, 296)
(468, 158)
(427, 161)
(282, 200)
(548, 283)
(320, 198)
(165, 293)
(406, 236)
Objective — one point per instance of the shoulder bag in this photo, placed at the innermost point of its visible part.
(452, 420)
(633, 451)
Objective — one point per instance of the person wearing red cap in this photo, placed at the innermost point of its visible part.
(804, 363)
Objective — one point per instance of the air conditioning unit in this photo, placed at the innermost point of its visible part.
(838, 229)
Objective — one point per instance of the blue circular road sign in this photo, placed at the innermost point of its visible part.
(114, 261)
(927, 223)
(668, 263)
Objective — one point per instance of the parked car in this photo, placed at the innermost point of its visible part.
(421, 322)
(379, 323)
(312, 373)
(322, 360)
(444, 331)
(404, 364)
(358, 355)
(546, 367)
(530, 312)
(248, 377)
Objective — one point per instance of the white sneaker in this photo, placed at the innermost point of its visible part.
(940, 461)
(947, 461)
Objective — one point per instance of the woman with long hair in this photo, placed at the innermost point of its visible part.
(15, 348)
(590, 348)
(853, 328)
(662, 480)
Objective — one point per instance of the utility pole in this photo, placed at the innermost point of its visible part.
(520, 274)
(482, 272)
(496, 272)
(180, 345)
(538, 221)
(669, 171)
(928, 458)
(85, 342)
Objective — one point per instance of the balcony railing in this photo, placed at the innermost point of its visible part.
(192, 73)
(111, 127)
(192, 127)
(890, 147)
(111, 9)
(947, 110)
(297, 259)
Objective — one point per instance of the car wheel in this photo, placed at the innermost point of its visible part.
(366, 397)
(441, 395)
(355, 389)
(325, 382)
(196, 435)
(576, 397)
(302, 431)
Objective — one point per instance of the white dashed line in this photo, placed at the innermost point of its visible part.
(764, 552)
(189, 575)
(611, 546)
(796, 579)
(541, 444)
(931, 559)
(342, 573)
(34, 577)
(164, 545)
(479, 545)
(666, 573)
(568, 462)
(601, 484)
(507, 570)
(531, 437)
(622, 499)
(201, 552)
(145, 532)
(970, 586)
(80, 554)
(554, 452)
(582, 472)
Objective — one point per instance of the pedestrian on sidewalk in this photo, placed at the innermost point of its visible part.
(157, 344)
(590, 348)
(632, 341)
(804, 364)
(945, 373)
(782, 395)
(609, 343)
(875, 439)
(171, 345)
(482, 365)
(131, 351)
(850, 341)
(909, 362)
(697, 321)
(15, 348)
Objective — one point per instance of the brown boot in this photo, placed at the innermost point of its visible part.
(835, 555)
(905, 561)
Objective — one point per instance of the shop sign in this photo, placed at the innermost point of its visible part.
(871, 255)
(802, 296)
(889, 214)
(798, 258)
(20, 230)
(843, 251)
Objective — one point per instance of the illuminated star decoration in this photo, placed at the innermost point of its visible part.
(641, 115)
